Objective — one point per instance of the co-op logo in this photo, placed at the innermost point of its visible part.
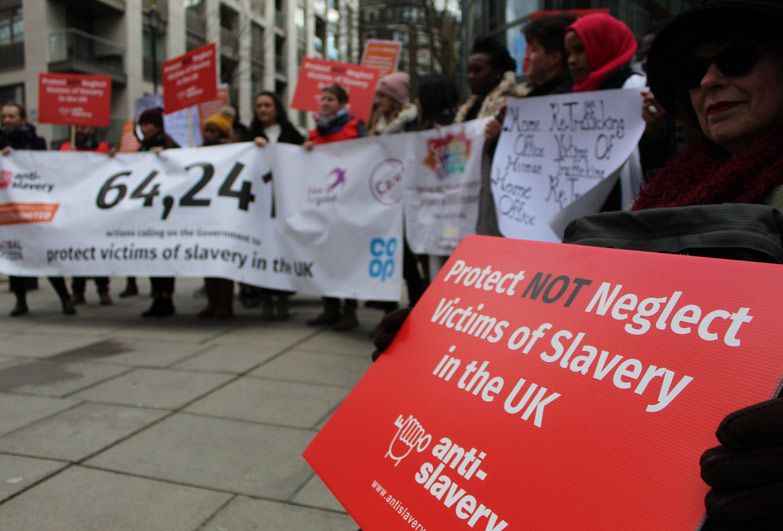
(386, 181)
(382, 263)
(327, 192)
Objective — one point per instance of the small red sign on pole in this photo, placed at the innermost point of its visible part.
(74, 99)
(190, 79)
(551, 386)
(358, 81)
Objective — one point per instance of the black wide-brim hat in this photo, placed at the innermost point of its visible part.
(753, 21)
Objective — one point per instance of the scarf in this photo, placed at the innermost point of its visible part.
(407, 114)
(327, 125)
(609, 44)
(704, 174)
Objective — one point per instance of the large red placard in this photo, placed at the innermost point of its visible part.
(358, 81)
(190, 79)
(553, 386)
(74, 99)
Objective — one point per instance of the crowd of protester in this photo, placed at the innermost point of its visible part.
(713, 113)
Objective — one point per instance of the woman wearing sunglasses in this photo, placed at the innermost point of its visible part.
(718, 67)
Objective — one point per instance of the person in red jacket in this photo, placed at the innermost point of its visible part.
(335, 124)
(84, 140)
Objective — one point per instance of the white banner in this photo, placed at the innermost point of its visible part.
(554, 149)
(208, 212)
(441, 202)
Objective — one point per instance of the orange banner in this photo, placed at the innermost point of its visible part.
(16, 213)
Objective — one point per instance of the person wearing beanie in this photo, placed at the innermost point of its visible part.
(220, 291)
(155, 140)
(393, 112)
(217, 128)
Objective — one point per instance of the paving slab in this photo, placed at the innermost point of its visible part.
(19, 410)
(245, 514)
(50, 378)
(316, 494)
(78, 432)
(228, 455)
(130, 351)
(299, 365)
(93, 500)
(228, 358)
(272, 402)
(155, 388)
(40, 345)
(356, 342)
(18, 473)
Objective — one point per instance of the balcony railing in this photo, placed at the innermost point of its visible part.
(12, 56)
(74, 45)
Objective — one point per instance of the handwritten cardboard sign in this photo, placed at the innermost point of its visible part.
(358, 81)
(552, 386)
(190, 79)
(554, 149)
(74, 99)
(382, 55)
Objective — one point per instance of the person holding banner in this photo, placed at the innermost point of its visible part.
(219, 291)
(393, 113)
(271, 125)
(18, 133)
(334, 124)
(156, 140)
(600, 49)
(84, 140)
(492, 80)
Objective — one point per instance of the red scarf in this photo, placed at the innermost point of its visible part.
(609, 44)
(704, 175)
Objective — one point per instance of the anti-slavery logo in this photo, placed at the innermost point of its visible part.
(333, 182)
(448, 155)
(6, 178)
(11, 250)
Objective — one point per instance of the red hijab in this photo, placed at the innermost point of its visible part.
(609, 44)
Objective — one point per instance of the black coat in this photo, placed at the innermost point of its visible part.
(288, 133)
(23, 137)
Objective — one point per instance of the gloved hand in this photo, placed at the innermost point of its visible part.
(387, 329)
(746, 471)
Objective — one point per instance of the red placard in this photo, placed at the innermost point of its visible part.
(358, 81)
(190, 79)
(552, 386)
(382, 55)
(74, 99)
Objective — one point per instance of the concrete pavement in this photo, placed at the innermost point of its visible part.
(110, 421)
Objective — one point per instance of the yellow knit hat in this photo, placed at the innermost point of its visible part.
(224, 120)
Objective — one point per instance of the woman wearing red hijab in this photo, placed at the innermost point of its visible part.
(600, 48)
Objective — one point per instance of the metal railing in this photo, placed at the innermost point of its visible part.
(76, 45)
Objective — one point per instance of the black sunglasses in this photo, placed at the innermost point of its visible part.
(732, 61)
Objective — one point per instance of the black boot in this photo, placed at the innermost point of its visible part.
(131, 288)
(20, 308)
(161, 306)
